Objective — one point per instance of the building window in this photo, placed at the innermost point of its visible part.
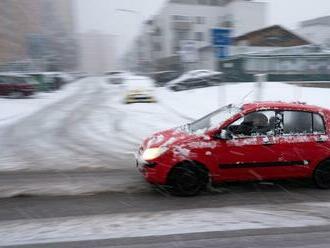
(200, 19)
(180, 18)
(157, 47)
(181, 35)
(157, 31)
(199, 36)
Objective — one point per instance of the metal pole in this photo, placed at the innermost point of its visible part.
(260, 80)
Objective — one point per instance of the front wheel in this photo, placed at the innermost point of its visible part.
(188, 180)
(322, 175)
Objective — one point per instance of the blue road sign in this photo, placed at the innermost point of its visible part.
(221, 40)
(222, 52)
(221, 37)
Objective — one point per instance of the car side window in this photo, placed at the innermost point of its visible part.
(254, 124)
(297, 122)
(318, 124)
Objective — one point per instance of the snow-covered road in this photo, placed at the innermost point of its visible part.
(85, 131)
(86, 128)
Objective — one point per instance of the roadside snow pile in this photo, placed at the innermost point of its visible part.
(193, 104)
(12, 110)
(138, 121)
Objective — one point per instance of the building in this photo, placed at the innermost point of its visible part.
(260, 40)
(97, 52)
(33, 34)
(298, 63)
(181, 20)
(316, 30)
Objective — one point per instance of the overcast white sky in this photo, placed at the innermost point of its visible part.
(101, 15)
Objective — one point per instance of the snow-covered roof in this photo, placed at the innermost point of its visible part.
(324, 20)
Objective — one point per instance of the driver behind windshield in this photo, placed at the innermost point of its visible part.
(253, 124)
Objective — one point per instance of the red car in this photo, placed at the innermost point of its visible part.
(257, 141)
(16, 86)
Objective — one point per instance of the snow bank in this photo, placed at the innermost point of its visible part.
(12, 110)
(196, 103)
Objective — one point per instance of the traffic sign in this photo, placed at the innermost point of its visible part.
(221, 39)
(221, 36)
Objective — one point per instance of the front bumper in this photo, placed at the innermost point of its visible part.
(154, 173)
(140, 99)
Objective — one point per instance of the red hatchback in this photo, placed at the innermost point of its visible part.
(16, 86)
(257, 141)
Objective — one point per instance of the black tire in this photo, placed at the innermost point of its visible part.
(188, 179)
(322, 175)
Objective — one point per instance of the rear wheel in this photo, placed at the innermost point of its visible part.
(322, 175)
(188, 179)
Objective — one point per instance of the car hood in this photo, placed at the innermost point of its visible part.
(168, 137)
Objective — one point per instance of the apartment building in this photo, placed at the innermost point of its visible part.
(31, 30)
(97, 52)
(180, 20)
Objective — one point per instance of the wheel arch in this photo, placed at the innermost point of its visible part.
(195, 163)
(319, 163)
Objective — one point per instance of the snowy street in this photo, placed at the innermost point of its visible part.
(72, 144)
(253, 215)
(82, 139)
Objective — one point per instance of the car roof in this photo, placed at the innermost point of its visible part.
(283, 105)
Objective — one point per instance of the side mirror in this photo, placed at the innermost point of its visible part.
(225, 135)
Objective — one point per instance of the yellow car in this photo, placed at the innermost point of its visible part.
(139, 90)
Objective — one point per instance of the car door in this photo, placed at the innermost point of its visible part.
(249, 155)
(300, 143)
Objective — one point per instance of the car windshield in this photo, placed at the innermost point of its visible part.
(214, 119)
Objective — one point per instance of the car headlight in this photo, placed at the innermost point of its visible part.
(153, 153)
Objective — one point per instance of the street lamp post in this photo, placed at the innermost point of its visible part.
(140, 18)
(150, 43)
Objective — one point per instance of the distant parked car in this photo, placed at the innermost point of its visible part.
(163, 77)
(112, 73)
(17, 86)
(116, 77)
(139, 89)
(195, 79)
(49, 81)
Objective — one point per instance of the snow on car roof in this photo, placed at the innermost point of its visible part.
(282, 105)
